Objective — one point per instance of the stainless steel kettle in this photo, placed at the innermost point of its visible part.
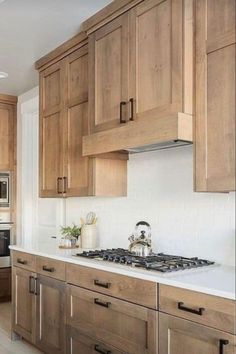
(140, 243)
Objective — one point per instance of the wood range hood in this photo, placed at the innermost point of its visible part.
(142, 135)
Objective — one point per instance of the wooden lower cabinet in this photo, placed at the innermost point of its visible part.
(24, 301)
(130, 328)
(5, 280)
(39, 310)
(50, 315)
(179, 336)
(77, 343)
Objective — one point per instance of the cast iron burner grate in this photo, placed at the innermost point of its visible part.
(159, 262)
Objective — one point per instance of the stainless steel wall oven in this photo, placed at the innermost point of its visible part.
(4, 189)
(5, 241)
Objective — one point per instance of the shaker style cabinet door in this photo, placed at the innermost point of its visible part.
(51, 131)
(76, 167)
(108, 75)
(215, 95)
(23, 301)
(156, 59)
(178, 336)
(50, 314)
(6, 137)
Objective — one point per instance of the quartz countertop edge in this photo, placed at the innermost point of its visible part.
(216, 280)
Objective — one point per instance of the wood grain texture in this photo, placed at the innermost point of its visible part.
(62, 51)
(77, 343)
(126, 288)
(5, 281)
(219, 313)
(23, 305)
(50, 315)
(23, 260)
(7, 122)
(51, 268)
(156, 58)
(128, 327)
(107, 14)
(178, 336)
(108, 74)
(215, 96)
(138, 133)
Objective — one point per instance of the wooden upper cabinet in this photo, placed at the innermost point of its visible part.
(51, 131)
(64, 172)
(7, 126)
(215, 95)
(156, 58)
(178, 336)
(141, 75)
(76, 166)
(108, 73)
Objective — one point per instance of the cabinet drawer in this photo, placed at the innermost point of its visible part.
(51, 268)
(201, 308)
(129, 328)
(131, 289)
(77, 343)
(24, 260)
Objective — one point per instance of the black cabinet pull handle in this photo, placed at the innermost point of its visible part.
(59, 179)
(65, 184)
(101, 351)
(131, 109)
(31, 291)
(122, 104)
(223, 342)
(50, 270)
(21, 261)
(187, 309)
(102, 303)
(102, 285)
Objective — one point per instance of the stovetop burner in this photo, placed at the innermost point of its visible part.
(159, 262)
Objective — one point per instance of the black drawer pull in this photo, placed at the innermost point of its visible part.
(21, 261)
(102, 303)
(187, 309)
(59, 179)
(122, 104)
(223, 342)
(102, 285)
(101, 351)
(50, 270)
(131, 101)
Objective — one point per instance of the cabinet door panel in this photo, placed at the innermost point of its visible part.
(215, 96)
(51, 152)
(178, 336)
(156, 57)
(6, 137)
(51, 130)
(23, 303)
(50, 304)
(76, 167)
(108, 82)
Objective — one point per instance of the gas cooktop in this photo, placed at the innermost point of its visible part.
(158, 262)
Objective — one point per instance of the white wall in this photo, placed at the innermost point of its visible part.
(160, 191)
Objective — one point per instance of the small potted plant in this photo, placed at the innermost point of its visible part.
(70, 235)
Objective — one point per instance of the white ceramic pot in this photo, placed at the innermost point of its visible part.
(89, 236)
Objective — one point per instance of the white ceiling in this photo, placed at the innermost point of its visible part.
(30, 29)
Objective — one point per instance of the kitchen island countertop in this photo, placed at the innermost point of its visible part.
(217, 280)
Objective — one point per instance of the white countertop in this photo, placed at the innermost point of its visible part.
(215, 280)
